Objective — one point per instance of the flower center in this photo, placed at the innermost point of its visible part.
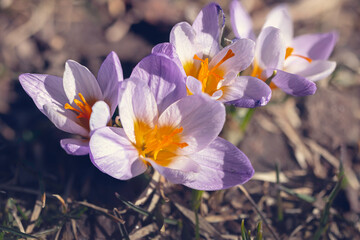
(257, 70)
(289, 53)
(210, 77)
(84, 110)
(158, 143)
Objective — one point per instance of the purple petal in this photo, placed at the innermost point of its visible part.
(201, 118)
(317, 70)
(244, 55)
(169, 50)
(65, 123)
(222, 166)
(292, 84)
(137, 104)
(78, 79)
(270, 49)
(315, 46)
(164, 77)
(240, 21)
(208, 26)
(44, 89)
(100, 115)
(112, 153)
(279, 17)
(109, 78)
(74, 146)
(247, 92)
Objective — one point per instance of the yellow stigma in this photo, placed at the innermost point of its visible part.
(84, 110)
(209, 78)
(159, 144)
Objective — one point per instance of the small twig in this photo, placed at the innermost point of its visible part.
(121, 226)
(161, 188)
(247, 195)
(34, 216)
(103, 210)
(142, 211)
(74, 228)
(149, 189)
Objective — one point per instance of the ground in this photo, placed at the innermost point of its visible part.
(307, 137)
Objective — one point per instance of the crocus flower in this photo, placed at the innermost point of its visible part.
(213, 70)
(78, 103)
(179, 142)
(299, 61)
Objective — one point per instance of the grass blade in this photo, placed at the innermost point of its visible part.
(16, 232)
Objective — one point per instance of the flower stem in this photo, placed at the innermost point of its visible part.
(250, 111)
(196, 201)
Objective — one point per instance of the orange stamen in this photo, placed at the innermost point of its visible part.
(204, 72)
(85, 109)
(229, 54)
(150, 142)
(289, 51)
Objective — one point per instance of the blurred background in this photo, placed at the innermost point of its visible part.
(306, 137)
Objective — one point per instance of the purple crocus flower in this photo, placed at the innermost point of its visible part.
(211, 69)
(299, 61)
(78, 103)
(178, 140)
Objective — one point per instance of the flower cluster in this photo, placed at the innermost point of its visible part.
(171, 108)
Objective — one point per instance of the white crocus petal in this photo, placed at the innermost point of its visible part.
(175, 176)
(182, 36)
(168, 50)
(201, 118)
(193, 85)
(270, 49)
(137, 104)
(244, 55)
(164, 78)
(113, 153)
(100, 115)
(216, 95)
(44, 89)
(109, 78)
(222, 165)
(317, 70)
(208, 26)
(78, 79)
(241, 21)
(246, 91)
(180, 162)
(280, 18)
(74, 146)
(62, 121)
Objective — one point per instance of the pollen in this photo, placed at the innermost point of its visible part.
(158, 143)
(210, 77)
(84, 110)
